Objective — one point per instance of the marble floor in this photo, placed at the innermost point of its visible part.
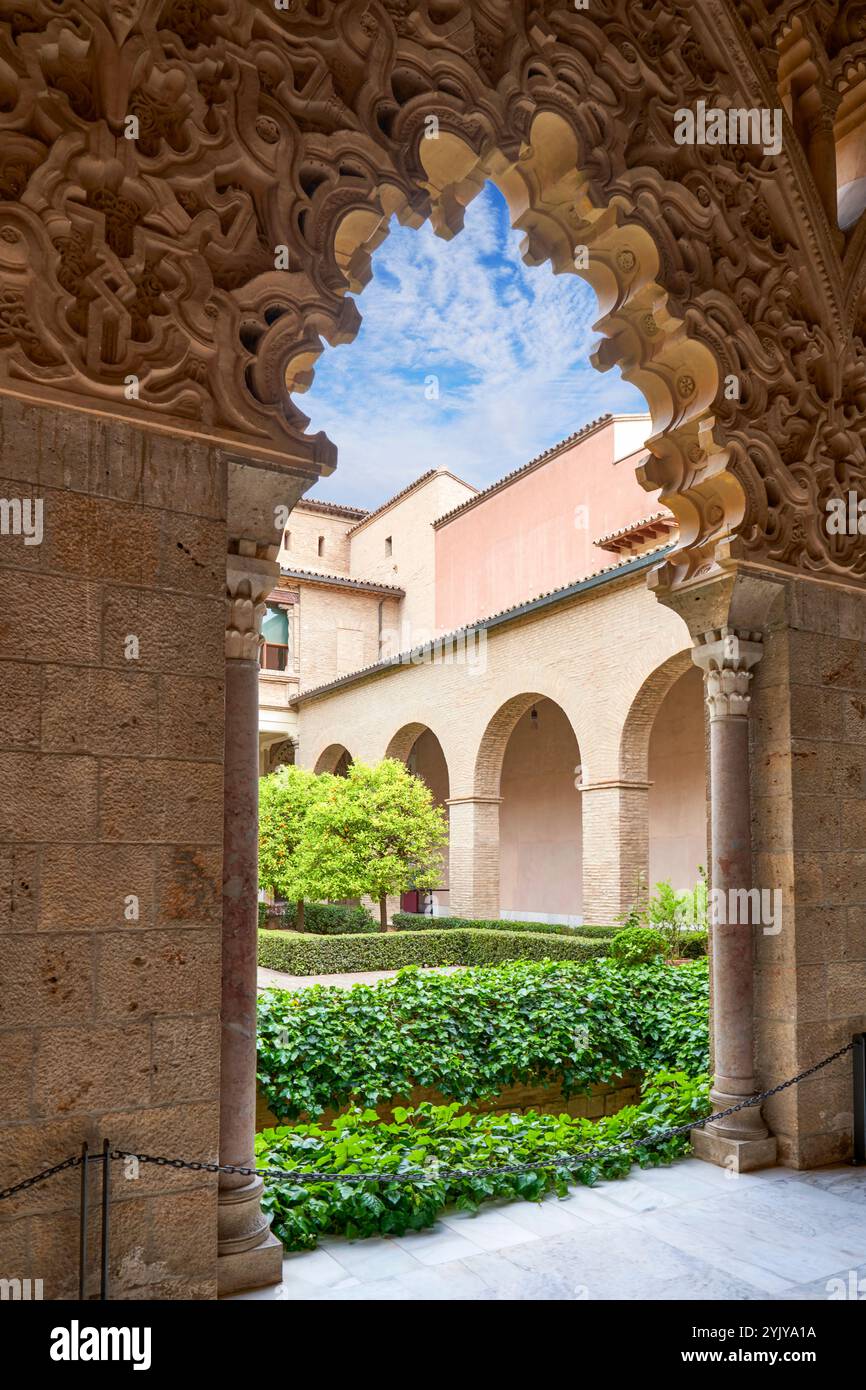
(689, 1231)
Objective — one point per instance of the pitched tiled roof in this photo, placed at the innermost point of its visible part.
(524, 468)
(313, 504)
(591, 581)
(425, 477)
(342, 581)
(638, 532)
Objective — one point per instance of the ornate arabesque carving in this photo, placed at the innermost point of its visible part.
(249, 580)
(305, 128)
(726, 656)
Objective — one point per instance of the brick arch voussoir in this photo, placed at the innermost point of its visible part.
(329, 757)
(497, 731)
(635, 739)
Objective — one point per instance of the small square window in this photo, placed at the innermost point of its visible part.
(388, 546)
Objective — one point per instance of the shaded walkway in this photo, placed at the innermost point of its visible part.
(685, 1232)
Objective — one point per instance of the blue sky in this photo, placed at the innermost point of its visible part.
(508, 343)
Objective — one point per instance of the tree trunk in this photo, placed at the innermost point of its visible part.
(299, 915)
(383, 913)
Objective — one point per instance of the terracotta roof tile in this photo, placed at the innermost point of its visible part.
(637, 562)
(332, 508)
(423, 478)
(342, 581)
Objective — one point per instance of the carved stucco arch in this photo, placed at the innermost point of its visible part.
(638, 726)
(305, 127)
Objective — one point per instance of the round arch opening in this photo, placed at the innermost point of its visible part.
(418, 747)
(677, 773)
(540, 826)
(335, 759)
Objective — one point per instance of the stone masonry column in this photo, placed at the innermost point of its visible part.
(615, 821)
(249, 1255)
(473, 856)
(726, 656)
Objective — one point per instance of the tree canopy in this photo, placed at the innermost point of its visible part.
(374, 832)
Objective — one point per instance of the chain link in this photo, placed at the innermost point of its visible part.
(435, 1171)
(73, 1162)
(438, 1171)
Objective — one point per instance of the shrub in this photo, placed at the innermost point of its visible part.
(692, 945)
(434, 1136)
(676, 916)
(418, 921)
(330, 919)
(475, 1032)
(297, 953)
(637, 945)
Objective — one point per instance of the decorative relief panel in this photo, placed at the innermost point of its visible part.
(190, 273)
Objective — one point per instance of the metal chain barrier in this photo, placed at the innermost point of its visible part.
(436, 1171)
(74, 1162)
(302, 1177)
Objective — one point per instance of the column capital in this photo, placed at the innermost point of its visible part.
(726, 656)
(249, 580)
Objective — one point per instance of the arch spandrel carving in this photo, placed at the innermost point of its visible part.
(304, 128)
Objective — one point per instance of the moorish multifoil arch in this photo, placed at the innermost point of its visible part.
(147, 266)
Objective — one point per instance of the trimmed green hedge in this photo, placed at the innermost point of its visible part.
(472, 1033)
(437, 1138)
(419, 921)
(320, 919)
(298, 953)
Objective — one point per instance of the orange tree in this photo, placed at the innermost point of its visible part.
(373, 832)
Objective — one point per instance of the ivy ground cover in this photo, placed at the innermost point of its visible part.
(473, 1033)
(436, 1140)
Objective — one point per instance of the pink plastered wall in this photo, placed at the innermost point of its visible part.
(678, 794)
(536, 533)
(540, 820)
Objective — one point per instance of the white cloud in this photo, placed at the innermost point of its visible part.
(509, 344)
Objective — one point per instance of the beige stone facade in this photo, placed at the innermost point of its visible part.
(522, 660)
(358, 586)
(548, 714)
(111, 647)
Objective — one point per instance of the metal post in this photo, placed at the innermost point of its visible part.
(82, 1217)
(106, 1182)
(859, 1055)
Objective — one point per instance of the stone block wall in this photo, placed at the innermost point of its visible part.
(605, 1099)
(808, 773)
(110, 841)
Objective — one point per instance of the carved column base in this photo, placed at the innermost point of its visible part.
(740, 1142)
(249, 1256)
(740, 1155)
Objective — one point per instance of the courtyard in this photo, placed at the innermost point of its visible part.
(432, 654)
